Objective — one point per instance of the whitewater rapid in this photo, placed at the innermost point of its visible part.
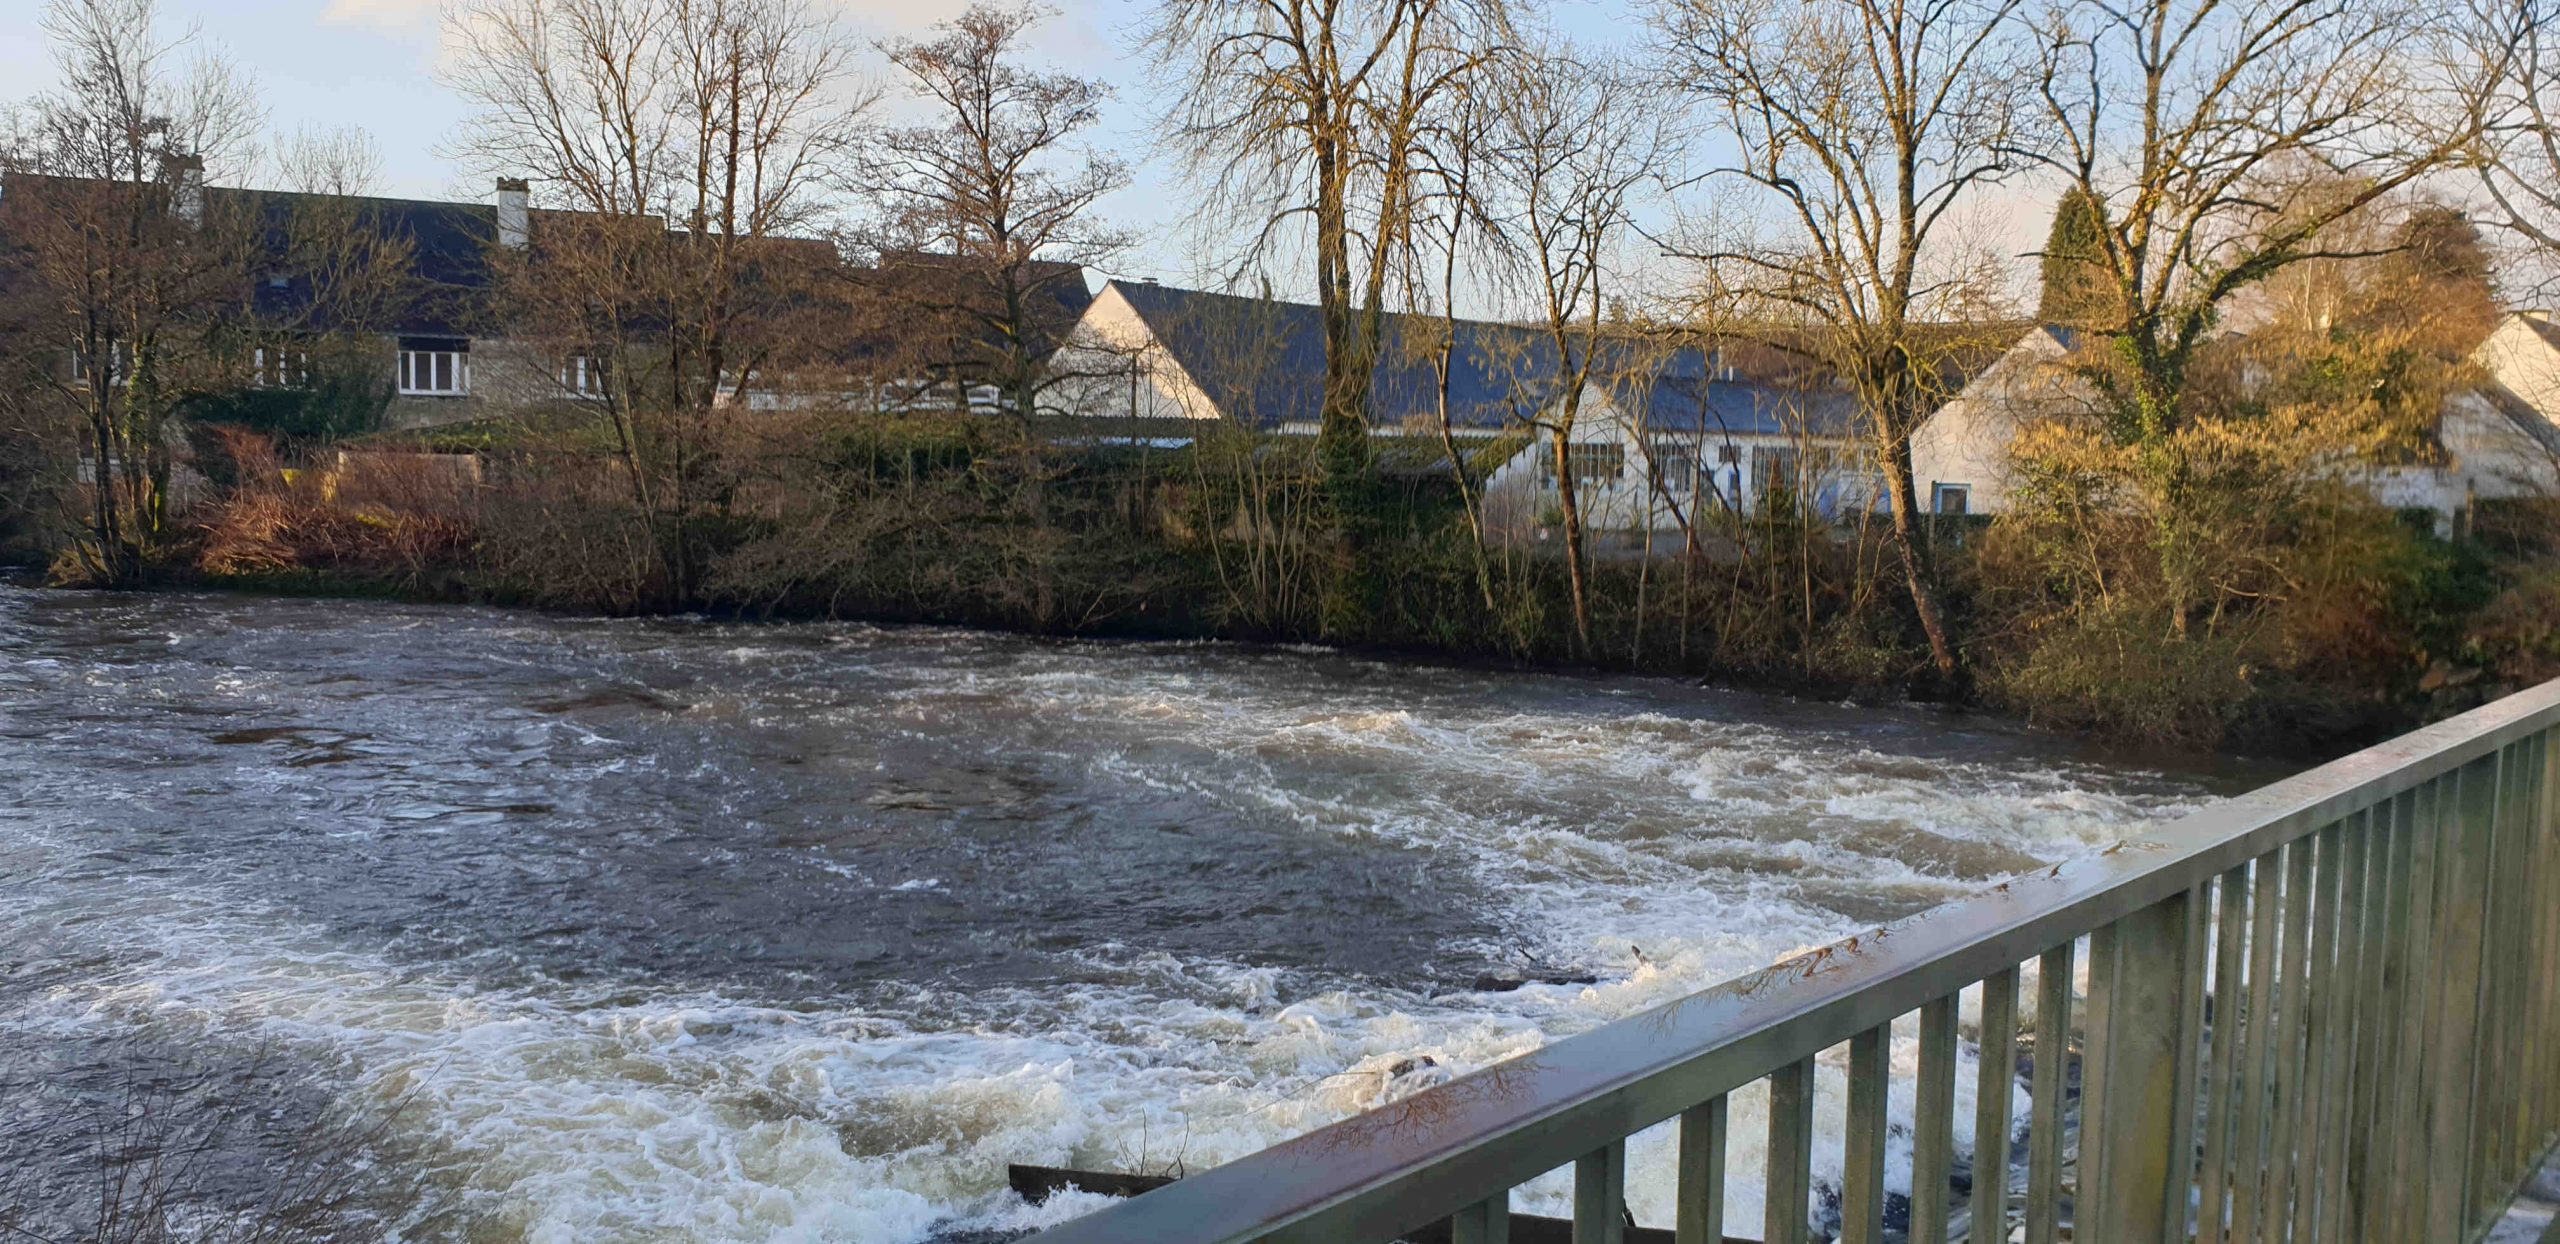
(706, 931)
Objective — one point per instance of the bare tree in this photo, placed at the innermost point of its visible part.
(2221, 142)
(1316, 113)
(119, 279)
(1578, 140)
(687, 145)
(995, 183)
(1862, 124)
(2522, 124)
(1454, 216)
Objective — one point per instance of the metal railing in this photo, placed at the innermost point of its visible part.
(2326, 1010)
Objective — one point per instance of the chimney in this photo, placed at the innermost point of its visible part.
(515, 213)
(185, 175)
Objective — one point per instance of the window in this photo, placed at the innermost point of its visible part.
(117, 371)
(1776, 476)
(1951, 499)
(438, 370)
(583, 375)
(1591, 465)
(1729, 454)
(281, 366)
(1673, 467)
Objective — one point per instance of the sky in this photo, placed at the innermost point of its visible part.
(373, 64)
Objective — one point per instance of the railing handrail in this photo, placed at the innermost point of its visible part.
(1396, 1168)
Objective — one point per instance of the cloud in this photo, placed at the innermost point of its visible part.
(398, 16)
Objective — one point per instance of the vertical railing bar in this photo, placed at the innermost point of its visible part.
(2546, 900)
(2187, 1060)
(2379, 1011)
(1486, 1222)
(1703, 1141)
(1862, 1181)
(1600, 1195)
(2044, 1095)
(2137, 1094)
(1790, 1157)
(2459, 878)
(1933, 1122)
(2284, 1129)
(2231, 907)
(2338, 1053)
(2530, 1035)
(2547, 814)
(2525, 1036)
(2408, 1186)
(2511, 952)
(2319, 1014)
(2489, 1184)
(2089, 1193)
(2544, 1011)
(2249, 1157)
(1995, 1091)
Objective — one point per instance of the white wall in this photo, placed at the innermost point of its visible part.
(1117, 368)
(1519, 494)
(1968, 441)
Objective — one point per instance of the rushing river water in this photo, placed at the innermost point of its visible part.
(679, 930)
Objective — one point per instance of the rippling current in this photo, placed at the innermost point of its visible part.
(683, 930)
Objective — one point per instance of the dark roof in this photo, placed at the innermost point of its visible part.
(944, 288)
(1262, 361)
(448, 252)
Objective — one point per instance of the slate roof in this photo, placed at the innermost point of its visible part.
(448, 252)
(1262, 362)
(916, 301)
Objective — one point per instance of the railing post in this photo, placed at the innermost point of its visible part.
(2137, 1119)
(2463, 884)
(1600, 1195)
(1486, 1222)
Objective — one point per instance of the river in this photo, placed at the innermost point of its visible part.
(696, 930)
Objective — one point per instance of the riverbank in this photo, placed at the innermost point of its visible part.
(2382, 624)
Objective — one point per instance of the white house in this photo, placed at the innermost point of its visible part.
(2510, 435)
(1671, 435)
(1688, 443)
(2500, 441)
(1960, 457)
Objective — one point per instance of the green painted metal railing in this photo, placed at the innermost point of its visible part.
(2328, 1010)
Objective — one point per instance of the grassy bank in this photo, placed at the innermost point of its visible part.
(2379, 623)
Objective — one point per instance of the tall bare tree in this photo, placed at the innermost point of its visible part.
(996, 183)
(686, 147)
(2220, 142)
(1458, 231)
(1861, 125)
(1578, 140)
(2521, 175)
(118, 276)
(1316, 113)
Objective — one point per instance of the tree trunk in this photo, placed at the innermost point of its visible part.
(1573, 543)
(1916, 570)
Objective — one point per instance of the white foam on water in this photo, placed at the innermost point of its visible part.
(1689, 851)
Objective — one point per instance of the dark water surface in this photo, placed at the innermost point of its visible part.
(684, 930)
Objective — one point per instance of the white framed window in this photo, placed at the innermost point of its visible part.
(1955, 500)
(1674, 466)
(435, 371)
(281, 367)
(119, 367)
(1593, 466)
(1777, 474)
(584, 375)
